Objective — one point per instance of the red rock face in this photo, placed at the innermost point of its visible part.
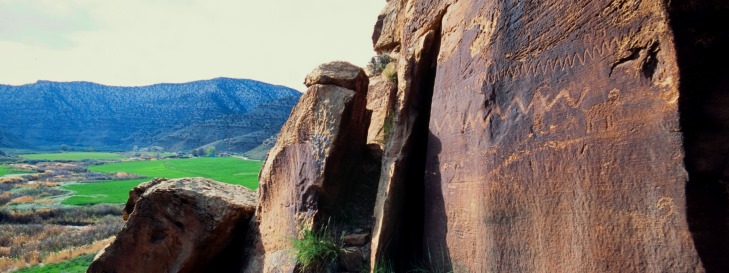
(309, 170)
(554, 138)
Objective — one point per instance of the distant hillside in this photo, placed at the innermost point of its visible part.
(236, 114)
(8, 140)
(233, 132)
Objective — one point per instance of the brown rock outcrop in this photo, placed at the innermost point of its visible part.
(386, 37)
(309, 171)
(381, 101)
(557, 137)
(181, 225)
(342, 74)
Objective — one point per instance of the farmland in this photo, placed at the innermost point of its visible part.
(224, 169)
(5, 170)
(109, 192)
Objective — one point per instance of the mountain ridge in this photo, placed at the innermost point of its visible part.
(48, 114)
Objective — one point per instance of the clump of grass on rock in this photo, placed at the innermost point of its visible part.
(316, 250)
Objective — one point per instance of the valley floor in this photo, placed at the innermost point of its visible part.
(55, 215)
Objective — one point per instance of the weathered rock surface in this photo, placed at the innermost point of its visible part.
(557, 137)
(137, 193)
(352, 259)
(342, 74)
(356, 239)
(386, 36)
(309, 170)
(181, 225)
(381, 101)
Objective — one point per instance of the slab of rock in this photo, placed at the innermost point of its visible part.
(352, 259)
(381, 99)
(181, 225)
(359, 239)
(342, 74)
(386, 36)
(554, 137)
(308, 171)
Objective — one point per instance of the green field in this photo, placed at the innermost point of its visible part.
(224, 169)
(109, 192)
(77, 265)
(73, 156)
(6, 170)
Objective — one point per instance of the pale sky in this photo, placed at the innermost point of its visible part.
(141, 42)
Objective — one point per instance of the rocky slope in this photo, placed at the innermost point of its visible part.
(239, 113)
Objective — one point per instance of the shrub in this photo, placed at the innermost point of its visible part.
(387, 128)
(390, 72)
(378, 63)
(316, 250)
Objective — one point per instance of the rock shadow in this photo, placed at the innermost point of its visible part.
(702, 47)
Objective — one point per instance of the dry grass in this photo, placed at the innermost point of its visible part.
(11, 180)
(24, 245)
(390, 72)
(71, 253)
(22, 200)
(34, 257)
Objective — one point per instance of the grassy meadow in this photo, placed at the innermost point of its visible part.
(76, 265)
(224, 169)
(107, 192)
(73, 156)
(4, 170)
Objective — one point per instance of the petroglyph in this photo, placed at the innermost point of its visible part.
(599, 48)
(541, 102)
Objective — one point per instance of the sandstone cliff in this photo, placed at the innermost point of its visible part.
(556, 137)
(541, 136)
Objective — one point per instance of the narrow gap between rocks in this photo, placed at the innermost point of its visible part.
(410, 255)
(702, 40)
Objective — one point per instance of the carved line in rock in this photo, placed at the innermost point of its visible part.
(483, 120)
(545, 67)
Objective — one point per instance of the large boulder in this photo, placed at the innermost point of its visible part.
(546, 136)
(337, 73)
(181, 225)
(309, 170)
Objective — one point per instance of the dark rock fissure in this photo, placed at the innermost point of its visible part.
(409, 250)
(651, 61)
(702, 40)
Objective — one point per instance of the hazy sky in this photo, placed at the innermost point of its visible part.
(140, 42)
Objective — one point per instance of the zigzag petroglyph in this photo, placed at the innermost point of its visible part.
(540, 102)
(544, 67)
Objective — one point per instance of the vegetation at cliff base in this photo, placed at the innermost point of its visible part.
(224, 169)
(77, 265)
(73, 156)
(316, 250)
